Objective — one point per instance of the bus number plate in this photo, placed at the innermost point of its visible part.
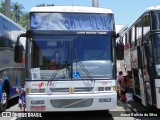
(38, 108)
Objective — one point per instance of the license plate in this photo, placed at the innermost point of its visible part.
(38, 108)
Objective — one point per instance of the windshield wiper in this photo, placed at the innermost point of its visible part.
(64, 64)
(83, 67)
(85, 70)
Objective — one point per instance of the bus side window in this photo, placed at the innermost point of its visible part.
(7, 42)
(147, 51)
(139, 57)
(6, 38)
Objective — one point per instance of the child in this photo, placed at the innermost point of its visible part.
(21, 92)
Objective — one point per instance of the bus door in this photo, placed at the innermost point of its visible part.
(140, 76)
(147, 72)
(152, 71)
(134, 65)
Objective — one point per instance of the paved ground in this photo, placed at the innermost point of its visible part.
(136, 110)
(124, 111)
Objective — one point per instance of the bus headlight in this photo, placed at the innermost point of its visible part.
(100, 88)
(37, 90)
(107, 88)
(104, 88)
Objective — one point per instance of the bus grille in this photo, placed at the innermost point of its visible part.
(77, 89)
(71, 103)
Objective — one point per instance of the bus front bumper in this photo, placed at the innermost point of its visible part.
(71, 102)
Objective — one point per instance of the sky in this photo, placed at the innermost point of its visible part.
(126, 12)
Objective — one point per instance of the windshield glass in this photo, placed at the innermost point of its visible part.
(155, 20)
(92, 54)
(71, 21)
(71, 57)
(157, 53)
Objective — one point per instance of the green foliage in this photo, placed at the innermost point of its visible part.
(2, 7)
(17, 15)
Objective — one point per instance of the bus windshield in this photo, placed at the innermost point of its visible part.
(72, 56)
(155, 20)
(71, 21)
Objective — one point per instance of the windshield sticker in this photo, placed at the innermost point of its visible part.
(35, 72)
(158, 69)
(76, 75)
(71, 21)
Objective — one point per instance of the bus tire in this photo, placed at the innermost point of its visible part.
(4, 98)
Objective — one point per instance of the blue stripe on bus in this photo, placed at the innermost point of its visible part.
(1, 85)
(12, 88)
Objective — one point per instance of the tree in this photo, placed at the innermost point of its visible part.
(17, 15)
(2, 7)
(17, 11)
(24, 21)
(8, 8)
(43, 5)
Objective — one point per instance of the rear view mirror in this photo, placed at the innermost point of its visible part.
(120, 51)
(147, 52)
(18, 53)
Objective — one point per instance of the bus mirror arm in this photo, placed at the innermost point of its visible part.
(20, 35)
(18, 51)
(117, 35)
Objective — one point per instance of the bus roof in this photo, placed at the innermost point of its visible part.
(11, 21)
(76, 9)
(153, 8)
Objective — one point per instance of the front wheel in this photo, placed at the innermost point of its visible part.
(4, 100)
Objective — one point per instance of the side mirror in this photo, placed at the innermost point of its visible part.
(18, 53)
(120, 51)
(147, 52)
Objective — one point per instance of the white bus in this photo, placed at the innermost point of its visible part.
(83, 76)
(10, 72)
(142, 48)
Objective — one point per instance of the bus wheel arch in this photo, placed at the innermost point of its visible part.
(4, 95)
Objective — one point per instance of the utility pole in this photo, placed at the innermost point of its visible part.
(95, 3)
(8, 8)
